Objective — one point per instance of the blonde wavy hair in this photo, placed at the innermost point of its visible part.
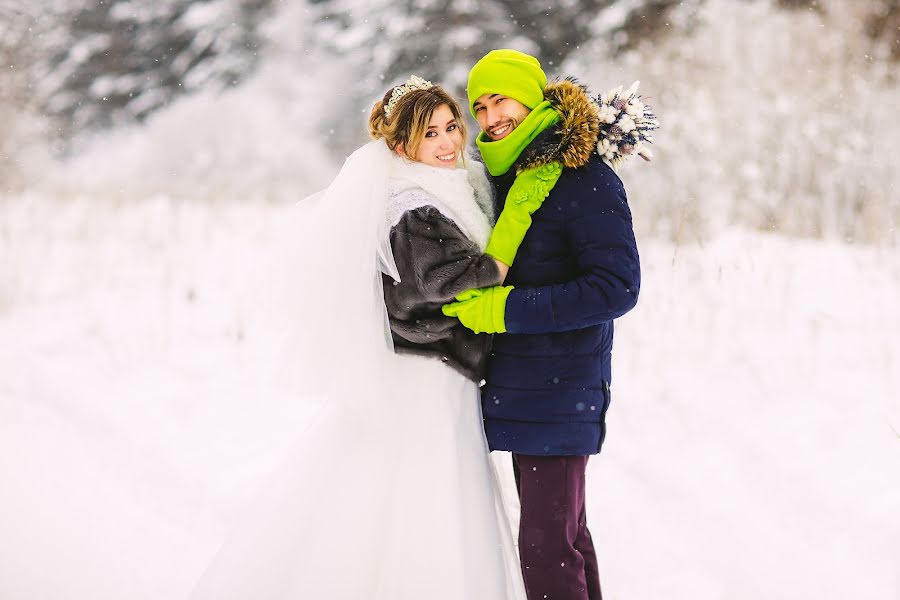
(405, 129)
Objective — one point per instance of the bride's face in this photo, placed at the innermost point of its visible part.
(443, 140)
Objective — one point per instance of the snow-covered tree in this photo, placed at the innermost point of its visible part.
(95, 63)
(883, 25)
(20, 121)
(382, 42)
(104, 62)
(387, 40)
(441, 40)
(772, 119)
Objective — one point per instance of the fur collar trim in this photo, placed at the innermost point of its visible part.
(461, 195)
(570, 141)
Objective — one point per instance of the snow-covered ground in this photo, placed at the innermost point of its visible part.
(753, 448)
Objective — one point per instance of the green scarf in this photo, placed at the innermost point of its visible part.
(499, 156)
(531, 186)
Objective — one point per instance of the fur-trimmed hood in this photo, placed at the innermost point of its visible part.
(573, 138)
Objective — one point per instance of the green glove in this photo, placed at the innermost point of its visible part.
(525, 196)
(481, 310)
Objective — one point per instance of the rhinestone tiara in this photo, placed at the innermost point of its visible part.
(413, 83)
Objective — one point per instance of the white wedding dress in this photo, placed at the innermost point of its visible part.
(407, 509)
(390, 494)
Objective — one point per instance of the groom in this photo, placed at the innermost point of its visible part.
(577, 268)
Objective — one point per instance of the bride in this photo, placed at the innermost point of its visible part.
(390, 494)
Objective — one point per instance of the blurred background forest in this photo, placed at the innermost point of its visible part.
(777, 113)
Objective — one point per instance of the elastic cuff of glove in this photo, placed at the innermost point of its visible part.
(496, 250)
(499, 308)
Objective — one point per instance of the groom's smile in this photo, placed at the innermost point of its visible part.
(499, 115)
(499, 131)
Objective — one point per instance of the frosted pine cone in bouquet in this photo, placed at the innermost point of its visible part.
(626, 125)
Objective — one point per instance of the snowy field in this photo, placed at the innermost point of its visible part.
(753, 448)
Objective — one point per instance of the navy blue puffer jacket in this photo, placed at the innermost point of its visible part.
(547, 384)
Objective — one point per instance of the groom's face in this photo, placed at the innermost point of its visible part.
(498, 115)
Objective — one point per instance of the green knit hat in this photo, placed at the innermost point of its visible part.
(510, 73)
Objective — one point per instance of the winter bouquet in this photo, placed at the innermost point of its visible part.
(626, 125)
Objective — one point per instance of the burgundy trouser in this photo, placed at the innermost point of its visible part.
(558, 558)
